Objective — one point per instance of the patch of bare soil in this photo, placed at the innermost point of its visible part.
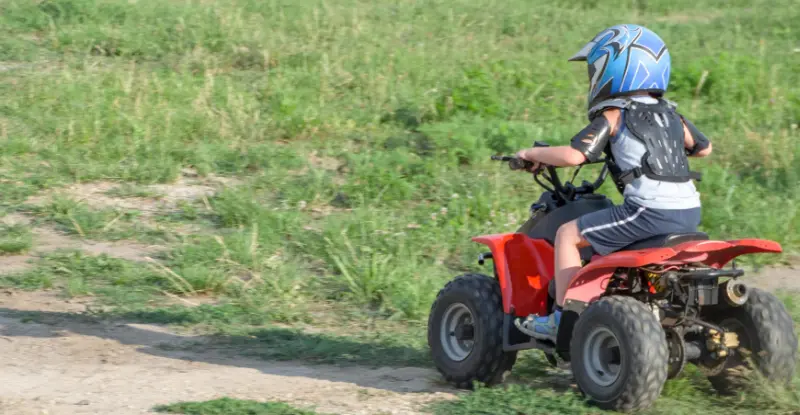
(166, 197)
(47, 240)
(14, 264)
(100, 195)
(327, 163)
(775, 279)
(58, 362)
(10, 66)
(323, 162)
(41, 301)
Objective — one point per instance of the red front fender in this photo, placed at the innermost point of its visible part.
(524, 268)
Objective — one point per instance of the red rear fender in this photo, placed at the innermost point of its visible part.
(722, 252)
(524, 268)
(592, 280)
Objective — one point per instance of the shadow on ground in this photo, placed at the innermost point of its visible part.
(276, 351)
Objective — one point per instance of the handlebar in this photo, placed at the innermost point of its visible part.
(566, 191)
(514, 163)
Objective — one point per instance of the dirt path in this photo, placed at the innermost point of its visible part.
(775, 279)
(56, 362)
(61, 365)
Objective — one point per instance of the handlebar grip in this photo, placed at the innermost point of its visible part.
(514, 163)
(519, 164)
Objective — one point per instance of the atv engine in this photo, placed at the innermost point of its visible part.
(680, 297)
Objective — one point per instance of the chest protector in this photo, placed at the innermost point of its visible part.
(660, 129)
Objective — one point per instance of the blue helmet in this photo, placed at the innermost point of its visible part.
(624, 59)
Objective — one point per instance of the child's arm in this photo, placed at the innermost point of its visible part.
(697, 145)
(561, 156)
(586, 145)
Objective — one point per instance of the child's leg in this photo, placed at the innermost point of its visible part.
(567, 264)
(606, 230)
(568, 257)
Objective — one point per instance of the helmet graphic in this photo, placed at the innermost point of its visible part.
(624, 59)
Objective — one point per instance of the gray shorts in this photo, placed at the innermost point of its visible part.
(611, 229)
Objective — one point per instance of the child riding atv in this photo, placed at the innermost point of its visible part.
(639, 294)
(647, 143)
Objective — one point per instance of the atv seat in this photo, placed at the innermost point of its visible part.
(658, 241)
(670, 239)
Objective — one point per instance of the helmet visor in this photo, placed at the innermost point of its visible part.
(583, 53)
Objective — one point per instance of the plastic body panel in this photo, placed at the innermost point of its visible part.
(591, 281)
(524, 268)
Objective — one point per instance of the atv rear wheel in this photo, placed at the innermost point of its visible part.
(766, 338)
(619, 354)
(465, 332)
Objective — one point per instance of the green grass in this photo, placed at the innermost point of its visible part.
(370, 349)
(78, 274)
(14, 239)
(228, 406)
(686, 395)
(134, 286)
(359, 132)
(536, 389)
(364, 128)
(80, 220)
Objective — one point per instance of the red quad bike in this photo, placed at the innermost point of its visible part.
(631, 320)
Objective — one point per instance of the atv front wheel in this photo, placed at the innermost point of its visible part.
(766, 338)
(465, 332)
(619, 354)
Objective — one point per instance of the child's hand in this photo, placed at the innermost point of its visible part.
(526, 155)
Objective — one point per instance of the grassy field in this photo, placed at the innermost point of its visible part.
(353, 138)
(227, 406)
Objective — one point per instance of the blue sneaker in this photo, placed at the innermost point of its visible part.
(540, 328)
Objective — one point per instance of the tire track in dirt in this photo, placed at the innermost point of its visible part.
(62, 365)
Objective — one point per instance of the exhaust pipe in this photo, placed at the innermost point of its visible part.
(734, 292)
